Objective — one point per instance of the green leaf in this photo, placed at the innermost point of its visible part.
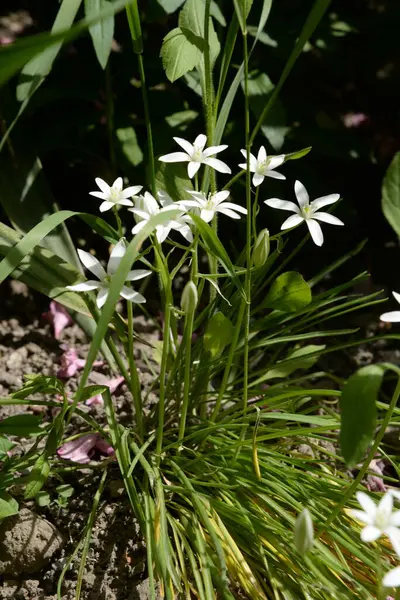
(260, 89)
(65, 490)
(216, 12)
(8, 505)
(298, 153)
(129, 145)
(285, 368)
(191, 18)
(43, 499)
(219, 334)
(288, 293)
(242, 8)
(391, 194)
(102, 33)
(92, 390)
(173, 179)
(37, 477)
(21, 425)
(35, 72)
(170, 6)
(39, 384)
(358, 412)
(5, 446)
(179, 54)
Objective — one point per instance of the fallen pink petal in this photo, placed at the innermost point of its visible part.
(83, 449)
(59, 317)
(71, 363)
(112, 384)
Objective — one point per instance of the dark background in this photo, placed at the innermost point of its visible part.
(342, 98)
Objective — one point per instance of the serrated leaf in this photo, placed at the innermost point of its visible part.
(179, 54)
(8, 505)
(218, 335)
(191, 18)
(288, 293)
(358, 412)
(391, 194)
(102, 33)
(21, 425)
(129, 145)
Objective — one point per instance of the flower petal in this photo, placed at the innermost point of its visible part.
(301, 194)
(162, 232)
(207, 215)
(124, 202)
(132, 296)
(118, 252)
(85, 286)
(137, 274)
(214, 150)
(396, 296)
(217, 164)
(193, 167)
(276, 161)
(186, 232)
(385, 507)
(131, 191)
(315, 231)
(362, 516)
(219, 197)
(282, 205)
(226, 211)
(236, 207)
(138, 226)
(106, 206)
(367, 504)
(292, 221)
(392, 578)
(325, 200)
(92, 264)
(274, 175)
(200, 141)
(258, 179)
(370, 533)
(394, 536)
(187, 146)
(103, 185)
(118, 184)
(262, 155)
(102, 297)
(150, 203)
(175, 157)
(101, 195)
(327, 218)
(391, 317)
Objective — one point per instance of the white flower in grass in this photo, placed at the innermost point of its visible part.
(392, 578)
(113, 195)
(262, 166)
(379, 519)
(213, 204)
(104, 276)
(180, 222)
(147, 206)
(394, 315)
(196, 155)
(307, 211)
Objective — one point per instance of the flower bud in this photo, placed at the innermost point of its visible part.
(189, 298)
(303, 532)
(261, 249)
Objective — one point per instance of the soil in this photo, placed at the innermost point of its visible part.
(115, 566)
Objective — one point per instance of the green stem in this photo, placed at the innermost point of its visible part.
(187, 376)
(148, 125)
(380, 592)
(119, 222)
(352, 488)
(135, 383)
(163, 373)
(254, 215)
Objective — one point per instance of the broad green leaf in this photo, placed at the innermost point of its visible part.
(275, 128)
(216, 12)
(288, 293)
(216, 248)
(242, 8)
(391, 194)
(43, 499)
(8, 505)
(129, 145)
(21, 425)
(191, 18)
(179, 54)
(182, 119)
(102, 33)
(5, 446)
(285, 368)
(218, 335)
(173, 179)
(92, 390)
(170, 6)
(358, 412)
(34, 73)
(65, 490)
(37, 477)
(39, 384)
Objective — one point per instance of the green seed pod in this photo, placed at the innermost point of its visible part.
(189, 298)
(303, 532)
(261, 249)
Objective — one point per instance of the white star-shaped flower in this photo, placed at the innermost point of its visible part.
(196, 155)
(379, 519)
(392, 579)
(262, 166)
(307, 211)
(213, 204)
(147, 206)
(113, 195)
(394, 315)
(104, 277)
(180, 222)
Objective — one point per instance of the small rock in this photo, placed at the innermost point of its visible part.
(27, 543)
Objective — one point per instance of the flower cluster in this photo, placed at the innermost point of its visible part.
(381, 520)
